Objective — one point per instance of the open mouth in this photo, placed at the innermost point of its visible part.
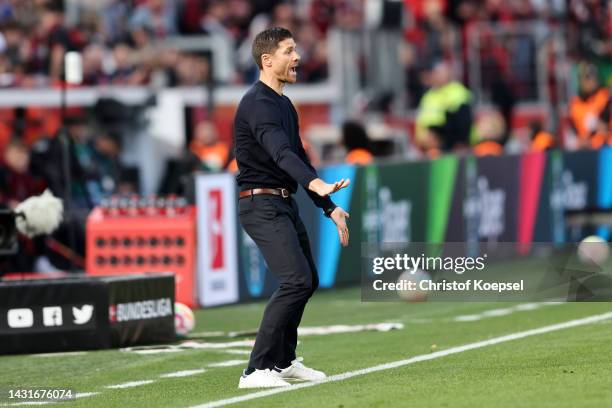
(293, 70)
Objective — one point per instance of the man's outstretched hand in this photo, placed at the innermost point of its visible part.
(339, 217)
(323, 189)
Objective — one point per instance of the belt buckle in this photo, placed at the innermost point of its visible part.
(284, 193)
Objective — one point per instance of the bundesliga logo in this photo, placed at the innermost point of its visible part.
(146, 309)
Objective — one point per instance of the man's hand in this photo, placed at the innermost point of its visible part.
(339, 217)
(323, 189)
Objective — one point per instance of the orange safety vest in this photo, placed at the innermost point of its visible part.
(542, 142)
(217, 152)
(488, 148)
(598, 140)
(583, 109)
(359, 156)
(232, 166)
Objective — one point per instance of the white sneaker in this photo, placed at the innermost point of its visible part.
(261, 379)
(298, 371)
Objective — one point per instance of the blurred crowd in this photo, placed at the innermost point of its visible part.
(122, 41)
(446, 121)
(92, 172)
(518, 59)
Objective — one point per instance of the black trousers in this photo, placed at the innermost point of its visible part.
(274, 224)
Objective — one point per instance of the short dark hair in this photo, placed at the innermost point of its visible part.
(266, 42)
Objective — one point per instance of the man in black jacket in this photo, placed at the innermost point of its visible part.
(271, 163)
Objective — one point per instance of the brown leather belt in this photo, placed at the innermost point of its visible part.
(283, 192)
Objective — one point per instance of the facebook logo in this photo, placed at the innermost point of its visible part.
(20, 318)
(52, 316)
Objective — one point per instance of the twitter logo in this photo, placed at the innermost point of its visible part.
(83, 314)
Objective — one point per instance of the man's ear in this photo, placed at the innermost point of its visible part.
(266, 60)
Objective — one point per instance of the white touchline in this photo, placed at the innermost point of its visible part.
(228, 363)
(309, 331)
(412, 360)
(185, 373)
(130, 384)
(86, 394)
(230, 351)
(505, 311)
(208, 334)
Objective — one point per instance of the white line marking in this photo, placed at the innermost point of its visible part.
(224, 345)
(208, 334)
(129, 384)
(345, 328)
(503, 312)
(236, 351)
(467, 318)
(497, 312)
(185, 373)
(310, 331)
(228, 363)
(412, 360)
(86, 394)
(188, 345)
(527, 306)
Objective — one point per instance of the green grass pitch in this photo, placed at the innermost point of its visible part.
(566, 368)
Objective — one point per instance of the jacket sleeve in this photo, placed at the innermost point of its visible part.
(324, 203)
